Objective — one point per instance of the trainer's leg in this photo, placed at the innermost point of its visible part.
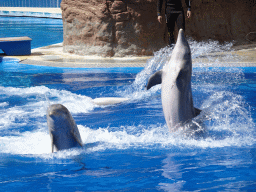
(181, 21)
(170, 20)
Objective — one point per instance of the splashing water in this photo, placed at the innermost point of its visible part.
(225, 114)
(163, 55)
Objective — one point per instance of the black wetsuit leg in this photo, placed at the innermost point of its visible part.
(172, 17)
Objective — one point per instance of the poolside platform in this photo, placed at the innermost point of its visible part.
(54, 56)
(16, 45)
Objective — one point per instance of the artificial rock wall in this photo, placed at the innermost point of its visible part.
(223, 20)
(130, 27)
(111, 27)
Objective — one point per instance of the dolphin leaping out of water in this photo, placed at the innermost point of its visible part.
(62, 128)
(176, 92)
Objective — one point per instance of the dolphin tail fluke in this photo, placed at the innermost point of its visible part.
(155, 79)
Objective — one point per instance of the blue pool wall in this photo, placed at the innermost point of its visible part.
(30, 3)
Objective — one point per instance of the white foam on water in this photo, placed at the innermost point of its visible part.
(227, 124)
(238, 133)
(4, 104)
(35, 142)
(34, 104)
(225, 118)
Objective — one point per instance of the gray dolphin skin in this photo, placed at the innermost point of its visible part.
(176, 95)
(62, 128)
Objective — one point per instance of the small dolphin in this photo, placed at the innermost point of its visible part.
(176, 92)
(62, 128)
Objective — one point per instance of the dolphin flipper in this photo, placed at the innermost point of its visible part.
(155, 79)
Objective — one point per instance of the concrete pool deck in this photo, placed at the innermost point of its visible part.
(53, 55)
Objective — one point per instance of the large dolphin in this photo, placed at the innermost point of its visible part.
(62, 128)
(176, 92)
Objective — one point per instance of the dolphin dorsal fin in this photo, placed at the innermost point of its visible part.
(197, 111)
(155, 79)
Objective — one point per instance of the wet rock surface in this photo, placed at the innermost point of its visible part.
(223, 20)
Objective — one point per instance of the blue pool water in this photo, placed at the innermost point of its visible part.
(30, 3)
(127, 146)
(37, 29)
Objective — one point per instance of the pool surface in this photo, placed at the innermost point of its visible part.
(30, 3)
(38, 29)
(127, 147)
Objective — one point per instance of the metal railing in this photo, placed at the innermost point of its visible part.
(30, 3)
